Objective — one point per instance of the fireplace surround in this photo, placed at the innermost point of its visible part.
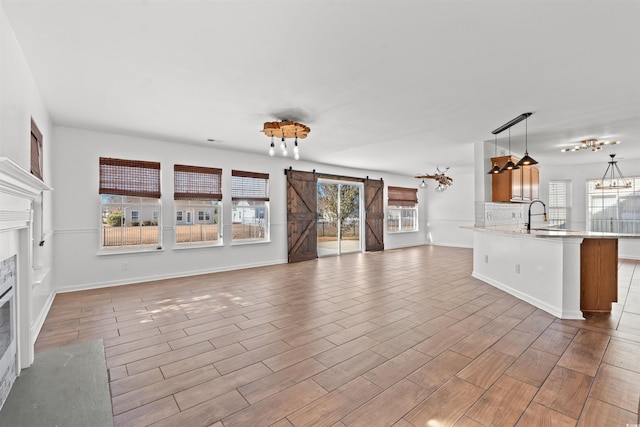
(19, 191)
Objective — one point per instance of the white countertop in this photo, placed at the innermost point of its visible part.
(554, 233)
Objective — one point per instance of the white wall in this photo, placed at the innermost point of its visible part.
(448, 211)
(77, 221)
(20, 100)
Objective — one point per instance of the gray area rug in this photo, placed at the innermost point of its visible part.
(66, 387)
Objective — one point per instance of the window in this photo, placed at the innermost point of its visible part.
(129, 196)
(197, 194)
(614, 211)
(36, 150)
(402, 213)
(250, 211)
(559, 203)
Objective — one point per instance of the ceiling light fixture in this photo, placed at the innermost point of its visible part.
(615, 177)
(443, 181)
(590, 144)
(495, 168)
(283, 130)
(272, 149)
(509, 165)
(526, 160)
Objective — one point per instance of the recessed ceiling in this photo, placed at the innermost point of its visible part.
(398, 86)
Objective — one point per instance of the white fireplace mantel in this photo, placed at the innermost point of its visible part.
(19, 189)
(17, 181)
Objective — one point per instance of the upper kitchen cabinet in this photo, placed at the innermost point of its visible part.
(518, 185)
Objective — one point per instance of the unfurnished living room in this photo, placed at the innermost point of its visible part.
(319, 213)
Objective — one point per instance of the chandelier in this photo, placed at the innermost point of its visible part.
(443, 181)
(283, 130)
(614, 176)
(590, 144)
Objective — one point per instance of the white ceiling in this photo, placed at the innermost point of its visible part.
(398, 86)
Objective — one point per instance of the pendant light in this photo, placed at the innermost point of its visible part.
(509, 165)
(526, 160)
(614, 176)
(285, 129)
(495, 168)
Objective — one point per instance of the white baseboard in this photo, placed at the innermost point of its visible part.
(555, 311)
(142, 279)
(39, 321)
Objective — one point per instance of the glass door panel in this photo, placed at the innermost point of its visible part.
(349, 218)
(328, 200)
(339, 221)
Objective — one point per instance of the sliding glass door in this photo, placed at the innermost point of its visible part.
(339, 217)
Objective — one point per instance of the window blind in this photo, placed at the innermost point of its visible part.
(129, 177)
(249, 186)
(197, 183)
(402, 196)
(558, 194)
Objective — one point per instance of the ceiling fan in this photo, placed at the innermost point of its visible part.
(590, 144)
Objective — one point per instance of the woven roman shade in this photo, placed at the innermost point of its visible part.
(197, 183)
(249, 186)
(402, 196)
(129, 178)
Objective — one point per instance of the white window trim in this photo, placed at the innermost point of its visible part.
(415, 230)
(129, 250)
(267, 237)
(567, 206)
(197, 245)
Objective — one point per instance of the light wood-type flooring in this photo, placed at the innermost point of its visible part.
(402, 337)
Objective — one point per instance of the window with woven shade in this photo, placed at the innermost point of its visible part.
(130, 205)
(36, 151)
(402, 211)
(198, 205)
(250, 210)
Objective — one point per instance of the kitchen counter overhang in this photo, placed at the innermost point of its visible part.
(543, 267)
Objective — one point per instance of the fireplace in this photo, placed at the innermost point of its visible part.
(8, 348)
(19, 193)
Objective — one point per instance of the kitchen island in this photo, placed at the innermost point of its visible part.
(565, 273)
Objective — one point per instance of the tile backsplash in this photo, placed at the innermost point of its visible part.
(490, 214)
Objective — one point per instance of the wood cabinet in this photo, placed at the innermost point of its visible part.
(518, 185)
(598, 275)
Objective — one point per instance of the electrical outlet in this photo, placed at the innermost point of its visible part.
(518, 268)
(486, 259)
(125, 266)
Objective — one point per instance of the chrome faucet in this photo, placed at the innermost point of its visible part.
(529, 216)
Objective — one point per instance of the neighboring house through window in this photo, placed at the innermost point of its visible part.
(250, 211)
(130, 203)
(402, 211)
(198, 194)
